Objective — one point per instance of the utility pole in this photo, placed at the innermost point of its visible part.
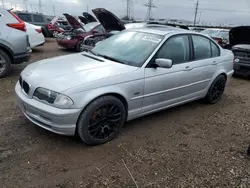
(196, 11)
(87, 8)
(40, 6)
(149, 5)
(129, 9)
(3, 3)
(54, 10)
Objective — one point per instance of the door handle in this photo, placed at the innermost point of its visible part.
(214, 63)
(188, 68)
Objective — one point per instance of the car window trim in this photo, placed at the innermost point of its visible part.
(194, 34)
(149, 65)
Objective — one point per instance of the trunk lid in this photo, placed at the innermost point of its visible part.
(239, 35)
(109, 21)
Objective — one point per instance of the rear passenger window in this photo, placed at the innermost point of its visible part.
(38, 18)
(176, 48)
(202, 49)
(24, 17)
(215, 50)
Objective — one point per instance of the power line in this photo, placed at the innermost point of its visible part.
(149, 5)
(196, 11)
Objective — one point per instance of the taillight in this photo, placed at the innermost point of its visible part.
(38, 30)
(20, 25)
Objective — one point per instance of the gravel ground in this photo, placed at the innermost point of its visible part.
(194, 145)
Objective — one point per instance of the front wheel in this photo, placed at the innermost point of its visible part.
(101, 121)
(55, 34)
(80, 47)
(216, 90)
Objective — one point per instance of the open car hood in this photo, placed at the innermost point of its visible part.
(108, 20)
(73, 22)
(54, 20)
(239, 35)
(83, 19)
(89, 17)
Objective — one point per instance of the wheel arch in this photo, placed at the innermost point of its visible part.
(7, 51)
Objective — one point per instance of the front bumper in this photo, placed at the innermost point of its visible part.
(242, 68)
(70, 44)
(60, 121)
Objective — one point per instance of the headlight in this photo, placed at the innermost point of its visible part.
(52, 98)
(68, 37)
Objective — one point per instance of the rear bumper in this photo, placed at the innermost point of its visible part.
(21, 57)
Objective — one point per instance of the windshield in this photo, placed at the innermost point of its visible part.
(209, 32)
(88, 27)
(128, 47)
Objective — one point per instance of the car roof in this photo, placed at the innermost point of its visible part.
(161, 30)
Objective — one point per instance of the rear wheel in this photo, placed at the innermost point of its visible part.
(5, 63)
(101, 121)
(216, 90)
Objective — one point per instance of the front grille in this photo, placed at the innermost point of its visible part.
(242, 54)
(24, 85)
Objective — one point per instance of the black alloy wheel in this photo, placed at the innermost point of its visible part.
(101, 120)
(216, 90)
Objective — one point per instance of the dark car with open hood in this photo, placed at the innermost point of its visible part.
(74, 39)
(239, 38)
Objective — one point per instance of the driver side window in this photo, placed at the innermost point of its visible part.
(175, 48)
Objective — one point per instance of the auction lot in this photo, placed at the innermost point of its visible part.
(195, 145)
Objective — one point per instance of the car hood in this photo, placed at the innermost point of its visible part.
(108, 20)
(73, 22)
(83, 19)
(239, 35)
(65, 72)
(54, 20)
(89, 17)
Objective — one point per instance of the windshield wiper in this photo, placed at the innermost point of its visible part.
(112, 59)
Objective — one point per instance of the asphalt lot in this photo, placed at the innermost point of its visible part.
(194, 145)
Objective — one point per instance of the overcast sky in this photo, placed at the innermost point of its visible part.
(210, 11)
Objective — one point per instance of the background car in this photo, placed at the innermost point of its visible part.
(123, 78)
(74, 39)
(14, 42)
(58, 25)
(36, 19)
(35, 35)
(221, 36)
(240, 43)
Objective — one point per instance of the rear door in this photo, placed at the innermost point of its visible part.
(205, 60)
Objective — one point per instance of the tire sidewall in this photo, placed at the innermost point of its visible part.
(8, 63)
(78, 46)
(82, 125)
(209, 94)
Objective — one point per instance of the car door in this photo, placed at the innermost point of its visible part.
(205, 61)
(169, 86)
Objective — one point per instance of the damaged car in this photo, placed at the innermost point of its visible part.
(74, 39)
(239, 38)
(58, 25)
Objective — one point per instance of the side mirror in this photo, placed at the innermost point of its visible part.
(164, 63)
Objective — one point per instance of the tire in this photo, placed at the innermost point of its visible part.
(79, 46)
(107, 115)
(5, 64)
(216, 90)
(45, 32)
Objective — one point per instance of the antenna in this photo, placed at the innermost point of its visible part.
(196, 11)
(149, 5)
